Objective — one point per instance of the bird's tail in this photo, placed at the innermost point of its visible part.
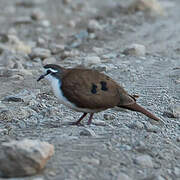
(138, 108)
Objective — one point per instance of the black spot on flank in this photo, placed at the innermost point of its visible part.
(104, 86)
(93, 90)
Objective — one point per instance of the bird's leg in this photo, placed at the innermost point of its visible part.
(79, 120)
(90, 118)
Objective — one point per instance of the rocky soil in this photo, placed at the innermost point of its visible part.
(138, 47)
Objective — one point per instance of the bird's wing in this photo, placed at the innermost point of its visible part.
(90, 89)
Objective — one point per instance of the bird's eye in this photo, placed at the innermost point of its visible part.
(48, 71)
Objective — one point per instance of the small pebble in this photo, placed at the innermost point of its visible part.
(135, 50)
(50, 60)
(37, 14)
(151, 6)
(12, 99)
(136, 124)
(91, 60)
(90, 160)
(123, 176)
(87, 132)
(40, 52)
(151, 128)
(94, 25)
(72, 53)
(144, 161)
(56, 48)
(45, 23)
(177, 171)
(109, 116)
(23, 20)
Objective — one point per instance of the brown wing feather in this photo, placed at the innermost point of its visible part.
(85, 88)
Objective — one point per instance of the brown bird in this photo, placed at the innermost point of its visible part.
(89, 91)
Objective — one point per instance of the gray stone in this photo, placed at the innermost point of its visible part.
(94, 25)
(90, 160)
(45, 23)
(173, 111)
(29, 4)
(151, 128)
(98, 50)
(56, 48)
(177, 171)
(37, 14)
(91, 60)
(109, 116)
(176, 110)
(50, 60)
(135, 50)
(81, 35)
(40, 52)
(144, 161)
(23, 20)
(67, 1)
(159, 177)
(87, 132)
(110, 56)
(136, 124)
(71, 53)
(17, 45)
(3, 131)
(5, 115)
(123, 176)
(23, 158)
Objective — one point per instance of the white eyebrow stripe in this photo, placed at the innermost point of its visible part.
(52, 70)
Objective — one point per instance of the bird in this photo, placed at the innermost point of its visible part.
(89, 91)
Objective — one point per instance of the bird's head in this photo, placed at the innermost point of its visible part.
(51, 71)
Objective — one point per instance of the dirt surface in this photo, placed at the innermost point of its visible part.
(118, 143)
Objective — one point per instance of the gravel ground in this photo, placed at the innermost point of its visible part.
(119, 144)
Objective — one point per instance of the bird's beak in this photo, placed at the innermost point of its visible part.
(42, 76)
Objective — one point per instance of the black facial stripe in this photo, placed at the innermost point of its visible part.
(48, 72)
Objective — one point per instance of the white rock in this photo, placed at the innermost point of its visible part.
(149, 6)
(98, 50)
(56, 48)
(45, 23)
(18, 45)
(123, 176)
(40, 52)
(23, 158)
(135, 49)
(37, 14)
(177, 171)
(94, 25)
(91, 60)
(72, 53)
(144, 161)
(151, 128)
(176, 110)
(136, 124)
(50, 60)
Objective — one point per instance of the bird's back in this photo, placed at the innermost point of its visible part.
(91, 89)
